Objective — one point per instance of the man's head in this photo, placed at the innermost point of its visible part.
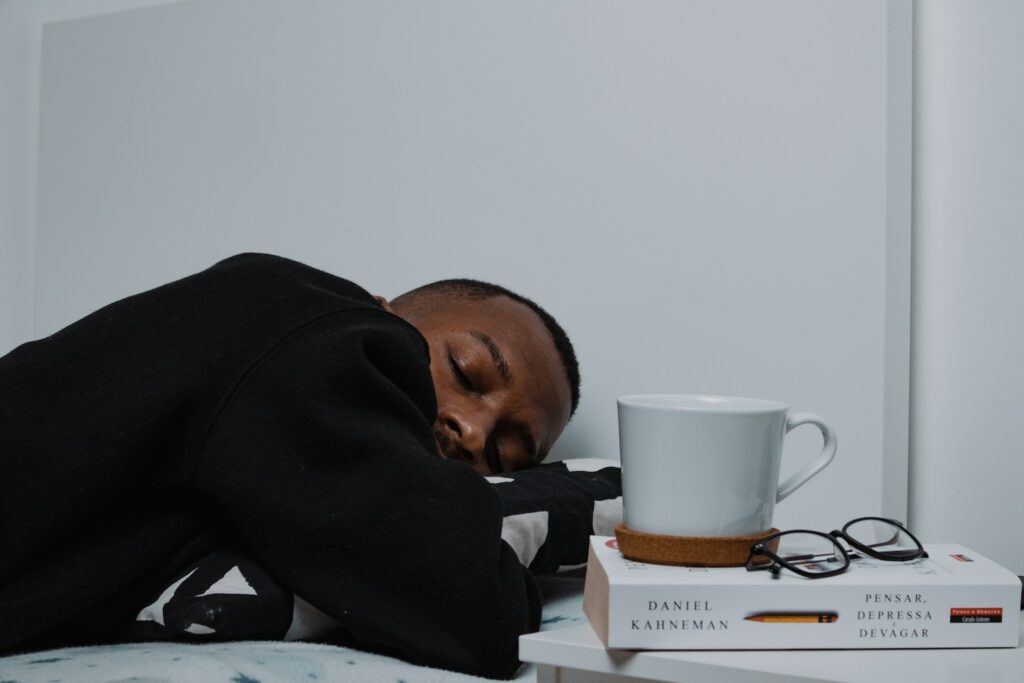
(504, 371)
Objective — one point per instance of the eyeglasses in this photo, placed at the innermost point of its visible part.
(816, 555)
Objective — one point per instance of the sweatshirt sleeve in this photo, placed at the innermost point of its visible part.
(323, 464)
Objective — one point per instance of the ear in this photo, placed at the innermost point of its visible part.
(384, 303)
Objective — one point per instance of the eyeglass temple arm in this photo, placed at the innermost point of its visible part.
(774, 567)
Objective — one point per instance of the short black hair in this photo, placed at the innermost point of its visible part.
(477, 289)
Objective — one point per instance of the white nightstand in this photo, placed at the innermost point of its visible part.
(575, 654)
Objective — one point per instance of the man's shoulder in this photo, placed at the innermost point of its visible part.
(290, 293)
(266, 263)
(259, 259)
(286, 275)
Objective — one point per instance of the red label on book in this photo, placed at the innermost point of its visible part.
(976, 615)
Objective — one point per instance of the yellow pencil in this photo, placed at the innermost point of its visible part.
(794, 617)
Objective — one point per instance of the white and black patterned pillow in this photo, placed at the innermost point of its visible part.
(550, 513)
(223, 596)
(552, 510)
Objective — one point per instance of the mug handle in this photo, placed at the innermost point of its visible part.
(828, 451)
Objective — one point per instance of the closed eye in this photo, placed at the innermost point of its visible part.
(460, 375)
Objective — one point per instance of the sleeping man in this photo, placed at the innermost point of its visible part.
(336, 438)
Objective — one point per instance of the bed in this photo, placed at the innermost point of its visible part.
(261, 661)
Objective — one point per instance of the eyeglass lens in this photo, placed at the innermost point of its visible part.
(811, 553)
(884, 538)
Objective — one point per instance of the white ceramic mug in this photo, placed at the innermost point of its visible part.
(696, 465)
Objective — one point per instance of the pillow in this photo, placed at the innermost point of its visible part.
(222, 596)
(550, 512)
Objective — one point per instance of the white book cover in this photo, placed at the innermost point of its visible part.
(954, 598)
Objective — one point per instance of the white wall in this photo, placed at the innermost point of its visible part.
(966, 467)
(967, 471)
(21, 30)
(708, 195)
(17, 124)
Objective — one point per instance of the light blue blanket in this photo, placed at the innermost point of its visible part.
(260, 662)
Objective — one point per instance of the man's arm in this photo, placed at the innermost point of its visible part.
(324, 465)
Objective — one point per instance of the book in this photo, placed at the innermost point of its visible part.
(954, 598)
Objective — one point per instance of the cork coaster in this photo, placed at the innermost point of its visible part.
(688, 551)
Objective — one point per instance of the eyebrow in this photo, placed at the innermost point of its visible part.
(496, 355)
(523, 432)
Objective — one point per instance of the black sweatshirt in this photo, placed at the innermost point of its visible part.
(264, 403)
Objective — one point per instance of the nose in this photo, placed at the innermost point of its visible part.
(470, 430)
